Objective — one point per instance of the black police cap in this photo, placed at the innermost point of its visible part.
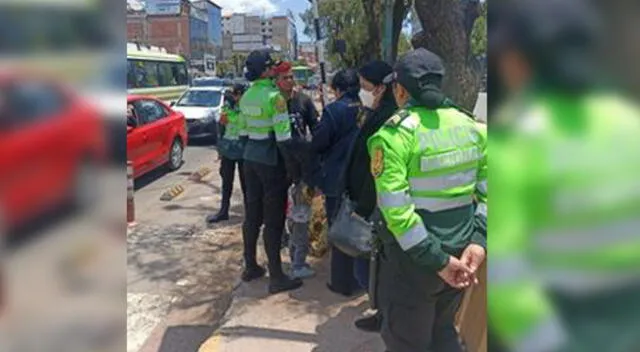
(416, 70)
(259, 61)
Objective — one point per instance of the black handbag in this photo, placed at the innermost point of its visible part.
(349, 232)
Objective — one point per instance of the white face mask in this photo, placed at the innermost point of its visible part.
(367, 98)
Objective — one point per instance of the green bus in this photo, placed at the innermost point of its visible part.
(302, 74)
(152, 71)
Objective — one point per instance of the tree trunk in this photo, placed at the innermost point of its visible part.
(400, 11)
(373, 10)
(446, 33)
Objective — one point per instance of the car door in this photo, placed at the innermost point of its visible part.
(154, 125)
(136, 142)
(37, 134)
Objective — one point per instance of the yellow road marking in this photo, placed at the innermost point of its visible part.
(211, 345)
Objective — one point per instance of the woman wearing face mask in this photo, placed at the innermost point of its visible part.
(380, 105)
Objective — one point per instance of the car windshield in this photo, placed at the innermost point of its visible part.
(211, 82)
(200, 98)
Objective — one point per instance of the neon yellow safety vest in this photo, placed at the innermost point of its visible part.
(428, 166)
(567, 202)
(263, 111)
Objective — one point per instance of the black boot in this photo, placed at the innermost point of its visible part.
(283, 284)
(222, 215)
(370, 324)
(253, 273)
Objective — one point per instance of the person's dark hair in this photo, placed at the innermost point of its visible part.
(375, 71)
(346, 81)
(239, 88)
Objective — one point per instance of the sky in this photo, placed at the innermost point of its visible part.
(269, 7)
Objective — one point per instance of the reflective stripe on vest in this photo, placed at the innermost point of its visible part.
(482, 209)
(259, 123)
(412, 237)
(283, 137)
(450, 159)
(400, 199)
(585, 281)
(442, 182)
(258, 135)
(545, 336)
(590, 238)
(394, 199)
(508, 269)
(440, 204)
(482, 187)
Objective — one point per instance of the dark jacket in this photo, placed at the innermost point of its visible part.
(331, 138)
(359, 181)
(298, 155)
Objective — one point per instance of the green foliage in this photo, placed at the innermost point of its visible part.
(223, 68)
(343, 19)
(479, 32)
(404, 43)
(300, 63)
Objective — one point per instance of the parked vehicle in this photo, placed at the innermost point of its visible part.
(202, 107)
(105, 90)
(53, 143)
(207, 82)
(156, 135)
(154, 72)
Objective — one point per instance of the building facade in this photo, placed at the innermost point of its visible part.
(190, 28)
(243, 33)
(215, 23)
(199, 33)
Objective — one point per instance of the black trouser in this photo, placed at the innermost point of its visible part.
(418, 308)
(342, 277)
(265, 202)
(227, 172)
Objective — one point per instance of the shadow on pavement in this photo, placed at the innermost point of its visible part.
(239, 332)
(236, 213)
(340, 334)
(150, 177)
(185, 338)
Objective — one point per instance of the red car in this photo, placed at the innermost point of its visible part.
(156, 135)
(51, 143)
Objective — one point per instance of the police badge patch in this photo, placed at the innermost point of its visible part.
(377, 162)
(281, 104)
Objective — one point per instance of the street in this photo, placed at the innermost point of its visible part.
(180, 273)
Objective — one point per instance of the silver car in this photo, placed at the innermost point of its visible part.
(201, 107)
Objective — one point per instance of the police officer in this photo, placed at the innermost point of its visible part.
(428, 162)
(230, 148)
(563, 275)
(264, 110)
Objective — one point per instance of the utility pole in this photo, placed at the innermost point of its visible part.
(320, 51)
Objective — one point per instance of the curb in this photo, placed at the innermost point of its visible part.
(200, 174)
(172, 193)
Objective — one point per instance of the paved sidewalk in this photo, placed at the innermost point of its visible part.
(309, 319)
